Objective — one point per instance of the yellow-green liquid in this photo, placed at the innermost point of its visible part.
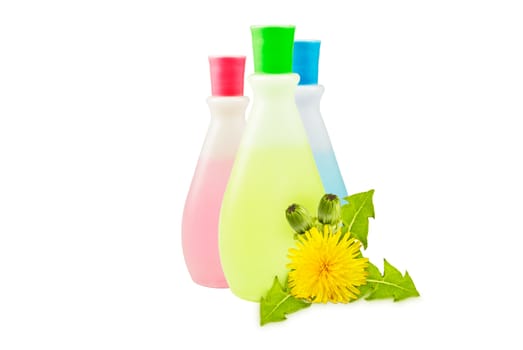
(254, 234)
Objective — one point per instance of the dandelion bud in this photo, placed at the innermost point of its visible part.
(329, 210)
(299, 218)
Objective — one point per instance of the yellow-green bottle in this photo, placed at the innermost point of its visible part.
(274, 168)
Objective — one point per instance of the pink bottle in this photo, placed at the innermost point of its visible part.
(202, 207)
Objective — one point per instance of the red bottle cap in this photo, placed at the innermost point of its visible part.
(227, 75)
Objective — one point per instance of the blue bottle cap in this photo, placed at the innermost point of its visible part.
(305, 61)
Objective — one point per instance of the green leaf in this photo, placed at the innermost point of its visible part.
(367, 288)
(389, 285)
(356, 214)
(279, 302)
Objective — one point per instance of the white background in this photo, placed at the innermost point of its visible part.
(102, 116)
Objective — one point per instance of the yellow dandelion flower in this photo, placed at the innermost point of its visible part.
(326, 268)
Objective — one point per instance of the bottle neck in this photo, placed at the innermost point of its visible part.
(274, 120)
(308, 101)
(274, 87)
(227, 107)
(226, 127)
(309, 95)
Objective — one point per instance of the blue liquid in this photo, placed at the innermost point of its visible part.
(330, 173)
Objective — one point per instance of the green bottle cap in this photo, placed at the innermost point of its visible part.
(272, 47)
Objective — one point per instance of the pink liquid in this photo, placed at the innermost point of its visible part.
(200, 222)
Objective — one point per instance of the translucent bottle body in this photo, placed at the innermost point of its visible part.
(202, 207)
(308, 101)
(274, 168)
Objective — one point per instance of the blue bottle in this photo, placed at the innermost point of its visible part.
(308, 95)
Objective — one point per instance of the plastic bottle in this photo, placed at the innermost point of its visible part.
(202, 207)
(274, 168)
(308, 96)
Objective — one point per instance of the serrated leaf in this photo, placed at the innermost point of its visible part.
(278, 303)
(392, 284)
(356, 214)
(374, 273)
